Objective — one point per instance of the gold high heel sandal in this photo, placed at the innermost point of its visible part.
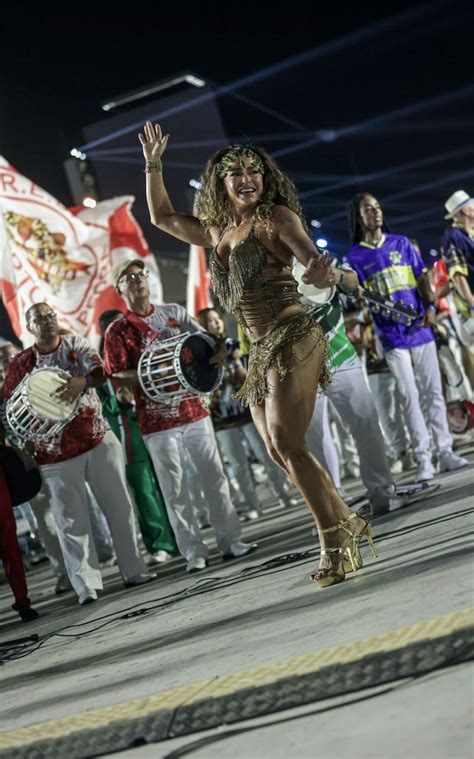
(366, 532)
(327, 576)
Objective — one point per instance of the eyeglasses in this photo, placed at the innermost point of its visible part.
(43, 318)
(136, 276)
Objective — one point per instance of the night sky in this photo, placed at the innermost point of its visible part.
(342, 104)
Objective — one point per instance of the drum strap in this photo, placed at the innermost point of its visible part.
(136, 321)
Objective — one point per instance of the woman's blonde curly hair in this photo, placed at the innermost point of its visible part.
(213, 206)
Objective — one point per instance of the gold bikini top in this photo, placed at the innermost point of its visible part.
(253, 297)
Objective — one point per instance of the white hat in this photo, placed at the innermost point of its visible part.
(454, 203)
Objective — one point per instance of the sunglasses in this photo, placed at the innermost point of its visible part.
(135, 276)
(42, 318)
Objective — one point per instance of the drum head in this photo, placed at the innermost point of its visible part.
(40, 389)
(315, 294)
(198, 373)
(459, 420)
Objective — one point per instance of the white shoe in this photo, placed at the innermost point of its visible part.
(425, 470)
(249, 516)
(87, 596)
(160, 557)
(396, 465)
(141, 579)
(384, 503)
(239, 549)
(449, 461)
(196, 564)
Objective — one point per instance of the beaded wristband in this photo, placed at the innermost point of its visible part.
(151, 166)
(431, 307)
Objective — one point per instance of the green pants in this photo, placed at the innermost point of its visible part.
(152, 518)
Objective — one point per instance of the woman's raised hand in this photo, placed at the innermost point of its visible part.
(153, 144)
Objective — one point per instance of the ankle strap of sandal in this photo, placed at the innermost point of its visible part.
(327, 551)
(341, 525)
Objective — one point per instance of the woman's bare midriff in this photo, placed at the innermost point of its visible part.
(255, 333)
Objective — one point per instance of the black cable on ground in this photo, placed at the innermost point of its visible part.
(206, 585)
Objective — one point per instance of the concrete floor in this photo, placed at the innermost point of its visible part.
(237, 615)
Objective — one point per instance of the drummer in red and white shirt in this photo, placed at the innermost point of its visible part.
(172, 435)
(86, 449)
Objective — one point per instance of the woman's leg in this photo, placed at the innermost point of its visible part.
(282, 421)
(288, 411)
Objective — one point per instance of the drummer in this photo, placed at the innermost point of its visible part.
(86, 449)
(172, 433)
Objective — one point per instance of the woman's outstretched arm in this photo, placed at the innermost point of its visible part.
(162, 214)
(319, 269)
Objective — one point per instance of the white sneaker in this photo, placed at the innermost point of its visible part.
(196, 564)
(239, 549)
(141, 579)
(383, 503)
(425, 470)
(249, 516)
(449, 461)
(160, 557)
(396, 465)
(87, 596)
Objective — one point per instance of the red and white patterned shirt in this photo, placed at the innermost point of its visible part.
(88, 427)
(123, 346)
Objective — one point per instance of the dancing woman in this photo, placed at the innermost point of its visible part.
(249, 214)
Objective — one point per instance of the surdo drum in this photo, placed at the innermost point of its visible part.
(34, 412)
(177, 368)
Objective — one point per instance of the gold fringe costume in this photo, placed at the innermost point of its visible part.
(255, 289)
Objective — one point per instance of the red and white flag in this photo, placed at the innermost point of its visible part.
(198, 294)
(64, 257)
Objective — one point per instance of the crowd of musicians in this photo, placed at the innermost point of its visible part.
(129, 474)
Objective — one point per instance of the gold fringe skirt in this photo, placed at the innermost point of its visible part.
(290, 343)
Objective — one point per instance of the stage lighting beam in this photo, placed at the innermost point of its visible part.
(352, 39)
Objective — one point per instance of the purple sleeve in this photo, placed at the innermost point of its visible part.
(415, 260)
(349, 263)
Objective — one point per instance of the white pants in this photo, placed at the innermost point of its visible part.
(350, 395)
(104, 469)
(168, 450)
(388, 404)
(321, 442)
(344, 441)
(231, 446)
(100, 528)
(47, 531)
(422, 360)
